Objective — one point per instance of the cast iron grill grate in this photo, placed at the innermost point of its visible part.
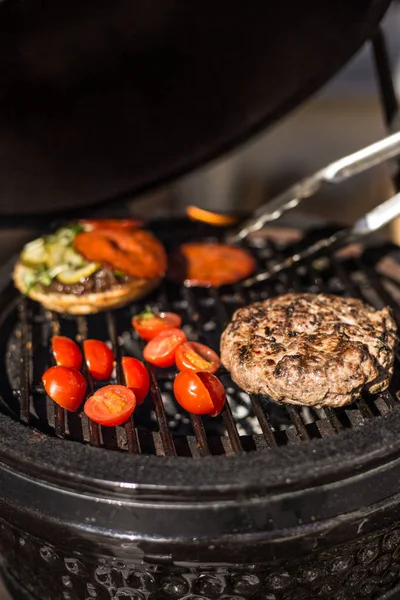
(159, 426)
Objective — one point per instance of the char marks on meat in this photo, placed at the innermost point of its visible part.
(311, 349)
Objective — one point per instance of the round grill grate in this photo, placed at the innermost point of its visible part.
(159, 426)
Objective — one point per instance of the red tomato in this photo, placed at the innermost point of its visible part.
(149, 324)
(65, 386)
(66, 352)
(137, 377)
(91, 224)
(99, 359)
(199, 393)
(111, 405)
(197, 357)
(160, 351)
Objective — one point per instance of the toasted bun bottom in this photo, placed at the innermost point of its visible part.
(93, 302)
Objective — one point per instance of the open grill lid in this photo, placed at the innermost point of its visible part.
(103, 99)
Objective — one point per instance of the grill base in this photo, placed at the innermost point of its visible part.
(281, 519)
(366, 568)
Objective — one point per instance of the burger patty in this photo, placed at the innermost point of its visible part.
(101, 281)
(311, 349)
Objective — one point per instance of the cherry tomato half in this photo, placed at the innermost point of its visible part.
(160, 351)
(92, 224)
(149, 324)
(66, 386)
(199, 393)
(197, 357)
(66, 352)
(99, 359)
(111, 405)
(137, 377)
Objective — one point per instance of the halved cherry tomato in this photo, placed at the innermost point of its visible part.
(199, 393)
(137, 377)
(66, 352)
(66, 386)
(149, 324)
(197, 357)
(111, 405)
(91, 224)
(160, 351)
(99, 359)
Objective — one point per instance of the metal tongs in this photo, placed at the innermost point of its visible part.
(334, 173)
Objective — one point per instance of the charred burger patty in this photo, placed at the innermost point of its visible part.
(311, 349)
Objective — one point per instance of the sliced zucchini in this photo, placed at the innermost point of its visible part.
(74, 259)
(55, 254)
(44, 278)
(34, 253)
(65, 236)
(29, 278)
(71, 275)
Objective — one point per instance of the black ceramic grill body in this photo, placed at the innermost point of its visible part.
(306, 511)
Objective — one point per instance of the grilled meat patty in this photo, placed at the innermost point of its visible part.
(311, 349)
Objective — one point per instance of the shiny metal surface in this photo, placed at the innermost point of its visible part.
(335, 173)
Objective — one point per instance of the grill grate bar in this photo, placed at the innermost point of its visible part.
(130, 431)
(388, 398)
(25, 397)
(298, 422)
(333, 419)
(364, 409)
(94, 429)
(201, 436)
(263, 420)
(230, 425)
(165, 434)
(196, 420)
(226, 413)
(59, 412)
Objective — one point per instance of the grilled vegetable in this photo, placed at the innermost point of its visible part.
(199, 393)
(160, 351)
(111, 405)
(197, 357)
(65, 386)
(136, 377)
(99, 359)
(70, 275)
(34, 254)
(149, 324)
(66, 352)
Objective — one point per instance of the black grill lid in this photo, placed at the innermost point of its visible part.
(100, 99)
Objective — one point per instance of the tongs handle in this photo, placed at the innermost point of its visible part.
(334, 173)
(381, 215)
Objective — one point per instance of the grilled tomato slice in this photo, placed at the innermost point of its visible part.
(136, 253)
(65, 386)
(206, 264)
(199, 393)
(160, 351)
(136, 377)
(148, 324)
(111, 405)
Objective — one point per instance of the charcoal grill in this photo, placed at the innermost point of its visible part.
(266, 502)
(305, 503)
